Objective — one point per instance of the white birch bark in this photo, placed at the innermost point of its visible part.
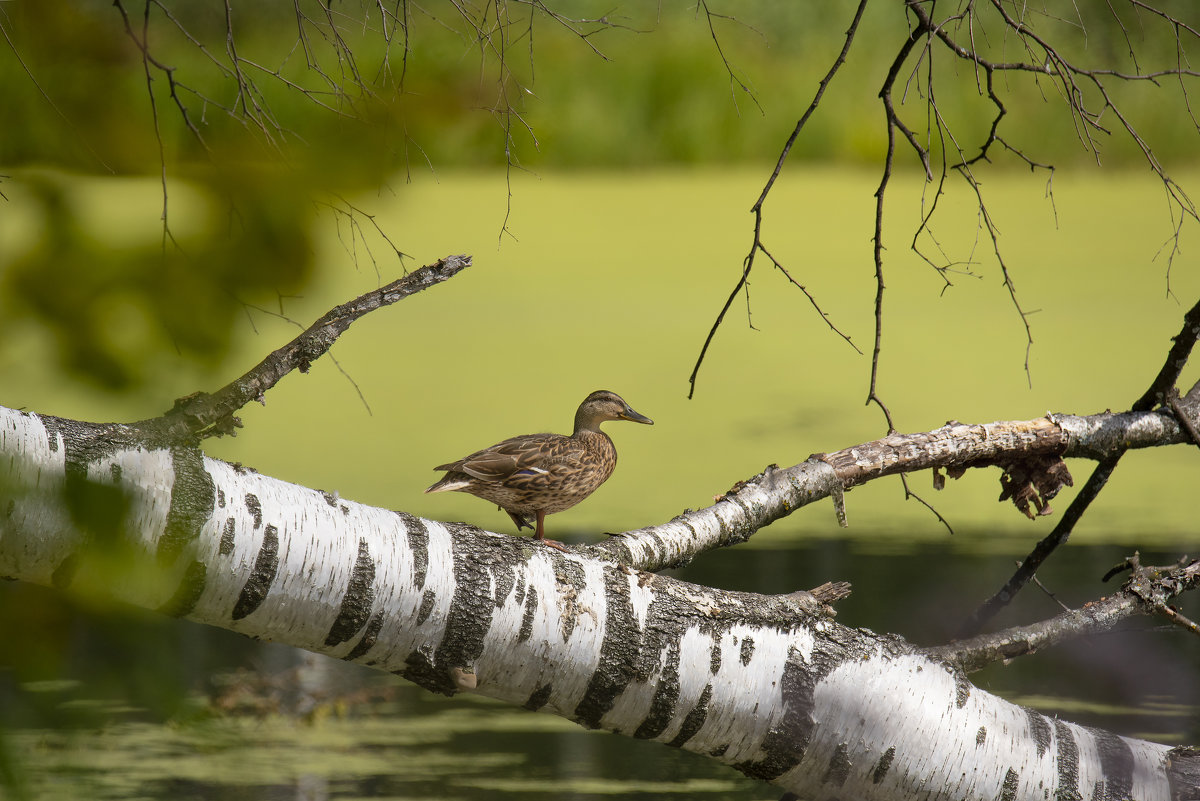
(766, 684)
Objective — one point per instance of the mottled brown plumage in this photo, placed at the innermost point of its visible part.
(539, 474)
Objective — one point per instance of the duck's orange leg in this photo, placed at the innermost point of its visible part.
(540, 534)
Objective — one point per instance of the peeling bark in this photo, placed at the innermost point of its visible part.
(777, 492)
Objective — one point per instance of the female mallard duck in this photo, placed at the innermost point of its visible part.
(540, 474)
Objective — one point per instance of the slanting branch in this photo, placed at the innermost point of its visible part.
(203, 415)
(1148, 591)
(1161, 390)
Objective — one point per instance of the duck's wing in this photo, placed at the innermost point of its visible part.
(530, 454)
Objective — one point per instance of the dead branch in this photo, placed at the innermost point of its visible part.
(202, 415)
(1147, 591)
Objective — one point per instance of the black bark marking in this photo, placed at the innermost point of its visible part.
(785, 744)
(666, 697)
(227, 539)
(64, 574)
(418, 543)
(694, 720)
(531, 605)
(617, 652)
(883, 765)
(504, 584)
(539, 698)
(427, 599)
(1183, 772)
(188, 593)
(193, 500)
(266, 564)
(367, 641)
(220, 498)
(418, 668)
(570, 583)
(714, 659)
(114, 470)
(747, 650)
(356, 604)
(839, 766)
(1116, 762)
(255, 507)
(1008, 790)
(469, 617)
(981, 736)
(1068, 763)
(962, 689)
(519, 592)
(1040, 727)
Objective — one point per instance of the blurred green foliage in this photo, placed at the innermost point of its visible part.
(350, 94)
(258, 110)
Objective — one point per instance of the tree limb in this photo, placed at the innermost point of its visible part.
(777, 492)
(1147, 592)
(202, 415)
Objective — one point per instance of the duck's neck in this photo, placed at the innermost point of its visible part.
(584, 422)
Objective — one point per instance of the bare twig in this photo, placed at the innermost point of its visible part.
(757, 208)
(711, 17)
(202, 415)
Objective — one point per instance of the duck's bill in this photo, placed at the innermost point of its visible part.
(631, 415)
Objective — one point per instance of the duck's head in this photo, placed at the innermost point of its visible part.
(603, 405)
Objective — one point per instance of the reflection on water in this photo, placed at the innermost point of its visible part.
(108, 705)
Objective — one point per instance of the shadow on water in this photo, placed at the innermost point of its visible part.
(116, 704)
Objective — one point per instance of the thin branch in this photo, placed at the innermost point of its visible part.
(891, 123)
(202, 415)
(1146, 592)
(757, 208)
(1035, 447)
(710, 16)
(49, 101)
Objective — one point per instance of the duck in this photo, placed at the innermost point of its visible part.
(535, 475)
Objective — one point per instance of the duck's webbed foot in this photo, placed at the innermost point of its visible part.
(521, 521)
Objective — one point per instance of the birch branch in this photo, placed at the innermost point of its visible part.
(1029, 451)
